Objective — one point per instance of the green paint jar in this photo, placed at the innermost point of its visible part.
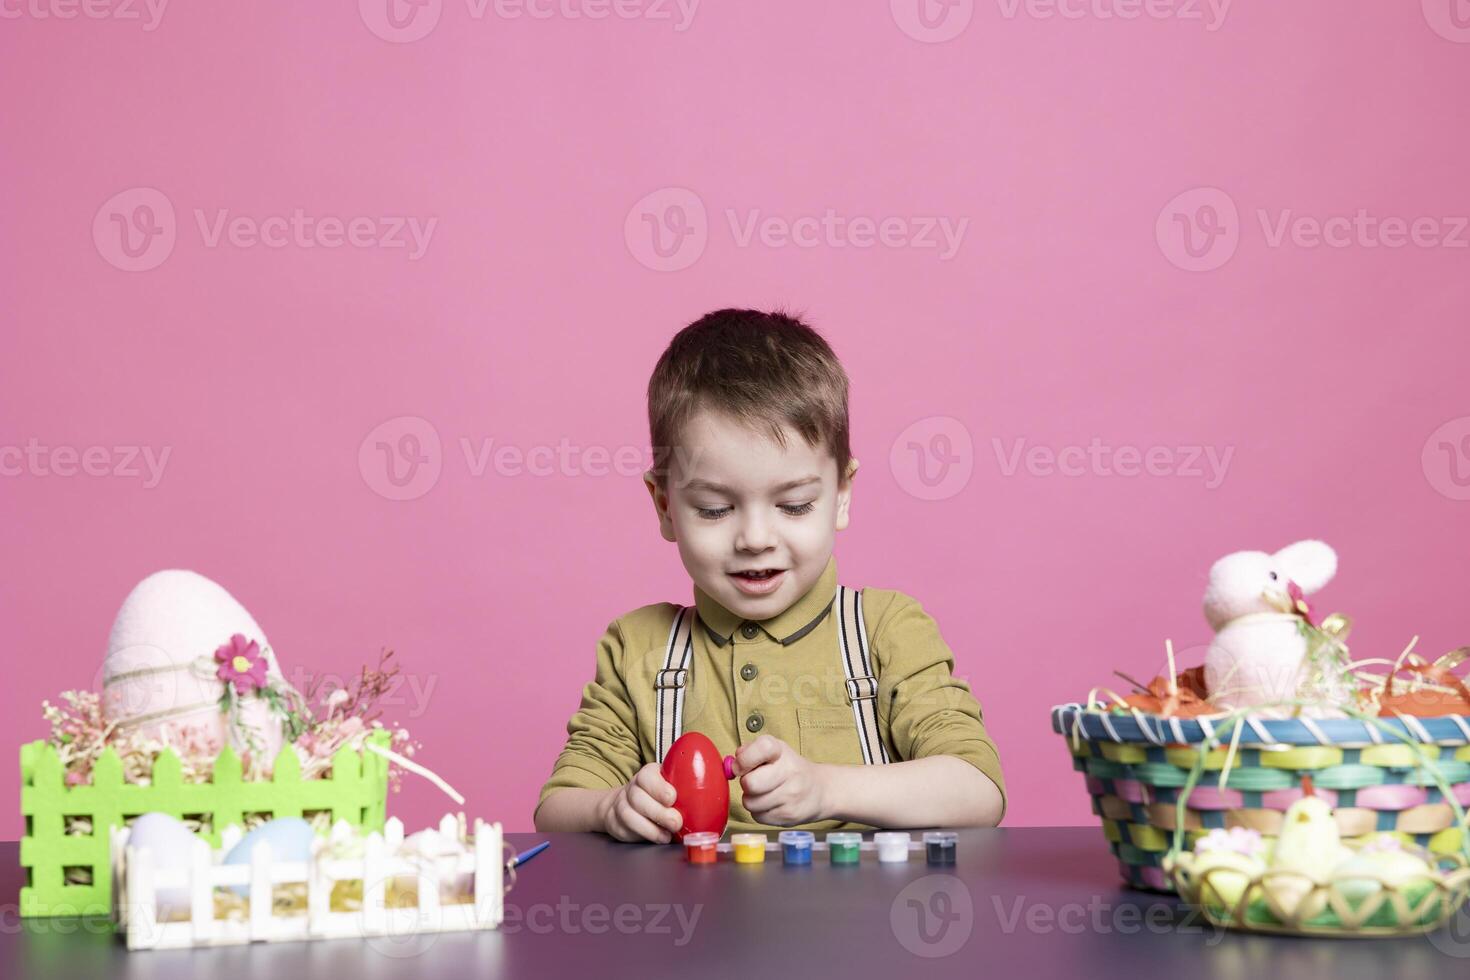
(844, 846)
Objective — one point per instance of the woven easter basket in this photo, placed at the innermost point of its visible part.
(1406, 776)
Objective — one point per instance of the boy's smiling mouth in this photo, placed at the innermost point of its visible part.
(758, 581)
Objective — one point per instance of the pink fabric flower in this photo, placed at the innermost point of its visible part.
(241, 664)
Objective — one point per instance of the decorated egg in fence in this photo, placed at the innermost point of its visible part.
(178, 639)
(289, 839)
(169, 845)
(701, 789)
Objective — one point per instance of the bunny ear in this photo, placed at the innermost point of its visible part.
(1310, 564)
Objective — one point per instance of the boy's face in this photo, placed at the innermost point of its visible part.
(738, 502)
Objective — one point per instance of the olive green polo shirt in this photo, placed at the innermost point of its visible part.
(781, 676)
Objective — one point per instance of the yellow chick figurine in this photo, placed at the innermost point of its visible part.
(1307, 852)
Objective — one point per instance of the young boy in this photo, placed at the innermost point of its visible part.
(840, 710)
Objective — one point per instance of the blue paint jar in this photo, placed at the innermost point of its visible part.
(796, 846)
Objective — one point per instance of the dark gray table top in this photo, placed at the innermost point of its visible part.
(1046, 902)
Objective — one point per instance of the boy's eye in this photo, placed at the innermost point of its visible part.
(712, 513)
(796, 510)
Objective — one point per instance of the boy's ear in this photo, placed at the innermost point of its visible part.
(844, 495)
(660, 506)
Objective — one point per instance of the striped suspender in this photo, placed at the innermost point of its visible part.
(671, 681)
(857, 665)
(862, 684)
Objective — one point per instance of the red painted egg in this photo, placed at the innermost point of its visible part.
(702, 793)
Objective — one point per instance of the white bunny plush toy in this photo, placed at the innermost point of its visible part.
(1266, 648)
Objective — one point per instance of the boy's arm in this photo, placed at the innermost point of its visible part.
(953, 776)
(601, 754)
(938, 791)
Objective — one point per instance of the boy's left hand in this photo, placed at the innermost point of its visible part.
(781, 786)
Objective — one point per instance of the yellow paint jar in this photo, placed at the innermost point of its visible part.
(749, 848)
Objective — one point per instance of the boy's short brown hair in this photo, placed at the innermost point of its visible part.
(766, 370)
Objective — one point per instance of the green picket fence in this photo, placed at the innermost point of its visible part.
(356, 791)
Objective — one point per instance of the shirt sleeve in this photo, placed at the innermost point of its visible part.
(602, 749)
(930, 711)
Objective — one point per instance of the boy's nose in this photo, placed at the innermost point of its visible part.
(754, 534)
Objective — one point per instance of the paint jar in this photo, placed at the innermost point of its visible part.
(749, 848)
(796, 846)
(939, 846)
(844, 846)
(893, 846)
(702, 848)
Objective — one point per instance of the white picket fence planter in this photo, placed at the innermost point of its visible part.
(135, 905)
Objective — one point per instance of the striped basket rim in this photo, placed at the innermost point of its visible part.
(1146, 729)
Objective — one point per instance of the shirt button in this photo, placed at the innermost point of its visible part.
(755, 722)
(748, 672)
(750, 631)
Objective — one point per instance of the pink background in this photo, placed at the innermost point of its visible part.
(533, 318)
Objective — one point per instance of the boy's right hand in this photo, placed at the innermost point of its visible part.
(643, 810)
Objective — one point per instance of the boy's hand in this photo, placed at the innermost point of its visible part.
(781, 786)
(642, 810)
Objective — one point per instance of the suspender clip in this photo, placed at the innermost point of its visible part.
(673, 678)
(863, 688)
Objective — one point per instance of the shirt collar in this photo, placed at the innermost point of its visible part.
(787, 627)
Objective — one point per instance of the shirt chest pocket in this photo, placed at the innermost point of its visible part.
(829, 735)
